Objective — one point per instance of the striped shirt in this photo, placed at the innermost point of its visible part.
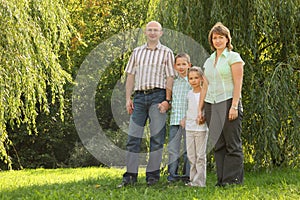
(180, 89)
(151, 67)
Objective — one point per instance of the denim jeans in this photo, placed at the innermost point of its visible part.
(146, 107)
(175, 136)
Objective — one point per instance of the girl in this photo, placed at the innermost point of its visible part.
(196, 135)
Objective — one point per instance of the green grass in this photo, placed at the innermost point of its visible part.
(100, 183)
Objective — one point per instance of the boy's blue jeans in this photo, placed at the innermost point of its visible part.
(146, 107)
(175, 136)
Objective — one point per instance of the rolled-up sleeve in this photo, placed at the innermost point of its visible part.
(130, 65)
(170, 65)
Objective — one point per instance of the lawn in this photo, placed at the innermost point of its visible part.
(100, 183)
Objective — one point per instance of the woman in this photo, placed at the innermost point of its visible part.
(221, 100)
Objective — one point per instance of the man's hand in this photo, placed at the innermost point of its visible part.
(163, 107)
(129, 106)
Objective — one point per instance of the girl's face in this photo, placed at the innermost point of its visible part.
(181, 65)
(195, 79)
(219, 41)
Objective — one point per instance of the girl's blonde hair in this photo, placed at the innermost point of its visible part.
(195, 69)
(220, 29)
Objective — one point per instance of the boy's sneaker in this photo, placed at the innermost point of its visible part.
(185, 179)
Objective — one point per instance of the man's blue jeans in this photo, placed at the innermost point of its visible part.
(146, 107)
(175, 136)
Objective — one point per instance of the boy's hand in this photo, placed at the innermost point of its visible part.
(182, 123)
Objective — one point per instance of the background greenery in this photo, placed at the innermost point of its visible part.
(44, 43)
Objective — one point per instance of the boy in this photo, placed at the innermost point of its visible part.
(180, 89)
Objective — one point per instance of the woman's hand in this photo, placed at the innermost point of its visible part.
(233, 114)
(200, 119)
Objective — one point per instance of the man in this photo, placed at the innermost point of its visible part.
(150, 75)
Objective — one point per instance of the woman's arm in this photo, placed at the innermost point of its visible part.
(237, 71)
(201, 118)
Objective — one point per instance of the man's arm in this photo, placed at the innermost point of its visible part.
(165, 105)
(169, 86)
(129, 89)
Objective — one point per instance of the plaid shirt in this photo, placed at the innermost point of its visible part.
(181, 87)
(151, 67)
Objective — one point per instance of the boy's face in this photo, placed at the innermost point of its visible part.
(181, 66)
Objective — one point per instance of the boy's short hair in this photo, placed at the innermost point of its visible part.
(195, 69)
(183, 55)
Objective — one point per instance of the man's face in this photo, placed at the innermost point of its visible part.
(153, 32)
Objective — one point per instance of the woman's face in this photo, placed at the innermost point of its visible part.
(219, 41)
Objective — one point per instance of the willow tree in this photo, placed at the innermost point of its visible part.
(33, 35)
(266, 34)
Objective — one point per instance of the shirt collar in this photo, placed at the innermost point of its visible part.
(181, 78)
(158, 46)
(224, 53)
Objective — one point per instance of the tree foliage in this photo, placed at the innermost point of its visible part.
(37, 47)
(266, 34)
(58, 143)
(34, 35)
(97, 22)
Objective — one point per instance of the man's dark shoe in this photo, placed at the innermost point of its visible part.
(129, 180)
(152, 181)
(123, 184)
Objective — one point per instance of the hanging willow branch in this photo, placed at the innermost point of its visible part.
(265, 34)
(33, 35)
